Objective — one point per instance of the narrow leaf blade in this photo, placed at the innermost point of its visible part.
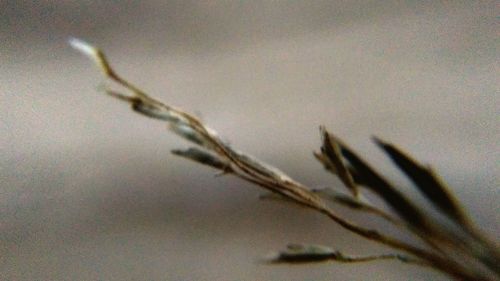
(373, 180)
(425, 180)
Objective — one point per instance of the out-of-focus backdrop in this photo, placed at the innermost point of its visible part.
(89, 190)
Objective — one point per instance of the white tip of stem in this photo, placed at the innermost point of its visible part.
(83, 47)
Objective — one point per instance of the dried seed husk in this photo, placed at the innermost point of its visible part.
(203, 157)
(331, 151)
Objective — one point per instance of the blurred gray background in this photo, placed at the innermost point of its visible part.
(89, 190)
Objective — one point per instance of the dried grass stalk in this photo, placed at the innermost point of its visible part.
(470, 258)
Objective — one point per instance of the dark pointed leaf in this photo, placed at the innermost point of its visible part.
(403, 207)
(426, 181)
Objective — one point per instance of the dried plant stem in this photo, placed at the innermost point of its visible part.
(341, 160)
